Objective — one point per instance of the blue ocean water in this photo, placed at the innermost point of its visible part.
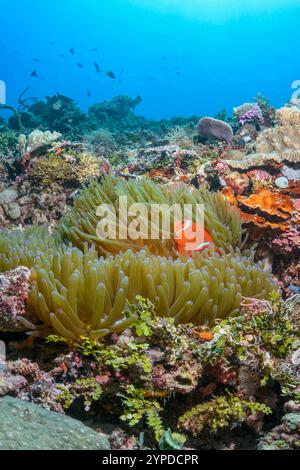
(183, 57)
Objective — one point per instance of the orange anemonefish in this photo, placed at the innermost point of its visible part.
(190, 237)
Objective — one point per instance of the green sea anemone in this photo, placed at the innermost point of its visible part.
(221, 220)
(23, 247)
(77, 294)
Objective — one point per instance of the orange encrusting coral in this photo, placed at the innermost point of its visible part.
(272, 206)
(270, 203)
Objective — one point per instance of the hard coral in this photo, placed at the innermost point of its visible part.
(284, 140)
(67, 171)
(37, 141)
(249, 112)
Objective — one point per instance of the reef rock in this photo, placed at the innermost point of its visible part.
(13, 211)
(215, 129)
(10, 383)
(8, 196)
(14, 287)
(285, 436)
(26, 426)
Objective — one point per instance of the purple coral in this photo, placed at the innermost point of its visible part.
(289, 241)
(249, 113)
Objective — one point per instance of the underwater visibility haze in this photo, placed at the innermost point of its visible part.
(149, 225)
(183, 58)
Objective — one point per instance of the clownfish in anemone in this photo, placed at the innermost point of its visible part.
(191, 237)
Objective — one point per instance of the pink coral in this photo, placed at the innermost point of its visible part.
(288, 242)
(14, 287)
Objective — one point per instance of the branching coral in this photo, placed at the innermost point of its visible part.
(249, 112)
(78, 294)
(80, 225)
(178, 136)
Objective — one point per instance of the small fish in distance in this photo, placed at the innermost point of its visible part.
(34, 74)
(72, 51)
(110, 74)
(80, 66)
(97, 67)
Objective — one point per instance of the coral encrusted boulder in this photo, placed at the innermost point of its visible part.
(25, 426)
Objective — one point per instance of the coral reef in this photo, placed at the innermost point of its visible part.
(116, 111)
(57, 113)
(158, 346)
(285, 436)
(230, 377)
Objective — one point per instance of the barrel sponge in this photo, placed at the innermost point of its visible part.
(22, 247)
(76, 293)
(222, 220)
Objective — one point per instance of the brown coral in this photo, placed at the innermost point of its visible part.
(66, 170)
